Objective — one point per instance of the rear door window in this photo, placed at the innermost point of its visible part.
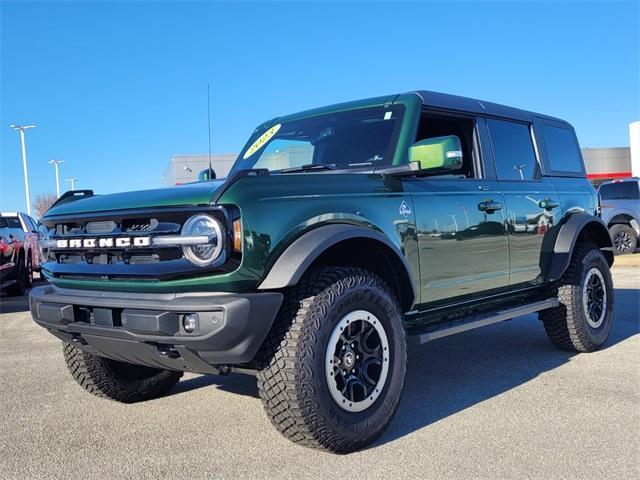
(562, 149)
(513, 150)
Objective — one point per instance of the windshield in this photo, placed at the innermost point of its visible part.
(348, 139)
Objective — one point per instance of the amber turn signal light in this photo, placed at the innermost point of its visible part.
(237, 236)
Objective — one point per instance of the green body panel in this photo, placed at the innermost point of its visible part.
(277, 209)
(189, 194)
(462, 250)
(527, 223)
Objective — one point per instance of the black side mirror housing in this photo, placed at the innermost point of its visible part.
(207, 174)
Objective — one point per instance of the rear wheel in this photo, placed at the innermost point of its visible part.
(115, 380)
(584, 318)
(624, 239)
(334, 363)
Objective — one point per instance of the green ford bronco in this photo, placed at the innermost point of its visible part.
(340, 235)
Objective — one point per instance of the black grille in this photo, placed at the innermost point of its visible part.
(148, 263)
(96, 228)
(111, 227)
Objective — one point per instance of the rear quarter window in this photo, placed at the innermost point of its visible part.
(562, 149)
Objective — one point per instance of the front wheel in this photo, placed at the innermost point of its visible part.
(335, 360)
(584, 318)
(115, 380)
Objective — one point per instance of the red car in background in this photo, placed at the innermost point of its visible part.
(19, 253)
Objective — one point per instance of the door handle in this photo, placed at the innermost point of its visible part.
(548, 204)
(489, 206)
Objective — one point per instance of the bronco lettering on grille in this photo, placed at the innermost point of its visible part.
(119, 242)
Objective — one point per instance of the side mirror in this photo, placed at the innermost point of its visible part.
(206, 174)
(438, 154)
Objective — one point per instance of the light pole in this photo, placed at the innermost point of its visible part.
(21, 129)
(55, 165)
(455, 223)
(72, 181)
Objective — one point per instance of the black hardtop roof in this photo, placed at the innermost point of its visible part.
(472, 105)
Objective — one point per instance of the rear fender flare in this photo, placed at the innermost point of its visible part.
(557, 249)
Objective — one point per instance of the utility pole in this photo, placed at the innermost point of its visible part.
(55, 165)
(21, 129)
(72, 181)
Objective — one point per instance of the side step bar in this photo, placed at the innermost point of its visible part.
(478, 321)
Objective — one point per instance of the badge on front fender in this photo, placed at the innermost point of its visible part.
(404, 209)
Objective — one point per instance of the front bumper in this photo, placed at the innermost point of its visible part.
(146, 329)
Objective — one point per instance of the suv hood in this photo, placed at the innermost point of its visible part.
(199, 193)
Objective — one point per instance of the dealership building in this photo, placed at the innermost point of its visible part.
(602, 164)
(185, 168)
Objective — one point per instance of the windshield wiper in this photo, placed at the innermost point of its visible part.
(309, 167)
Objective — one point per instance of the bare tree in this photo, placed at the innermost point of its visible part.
(43, 202)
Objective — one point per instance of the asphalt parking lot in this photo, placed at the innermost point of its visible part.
(498, 402)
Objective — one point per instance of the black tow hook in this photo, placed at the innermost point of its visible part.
(78, 340)
(168, 353)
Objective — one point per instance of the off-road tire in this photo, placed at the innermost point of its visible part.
(292, 381)
(624, 237)
(115, 380)
(567, 325)
(20, 287)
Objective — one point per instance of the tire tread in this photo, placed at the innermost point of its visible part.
(565, 324)
(284, 374)
(96, 375)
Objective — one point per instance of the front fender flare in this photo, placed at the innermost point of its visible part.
(297, 257)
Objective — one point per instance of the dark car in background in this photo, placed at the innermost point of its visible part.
(19, 237)
(620, 204)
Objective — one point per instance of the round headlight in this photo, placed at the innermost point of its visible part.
(205, 254)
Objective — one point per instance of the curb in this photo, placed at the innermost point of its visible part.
(627, 260)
